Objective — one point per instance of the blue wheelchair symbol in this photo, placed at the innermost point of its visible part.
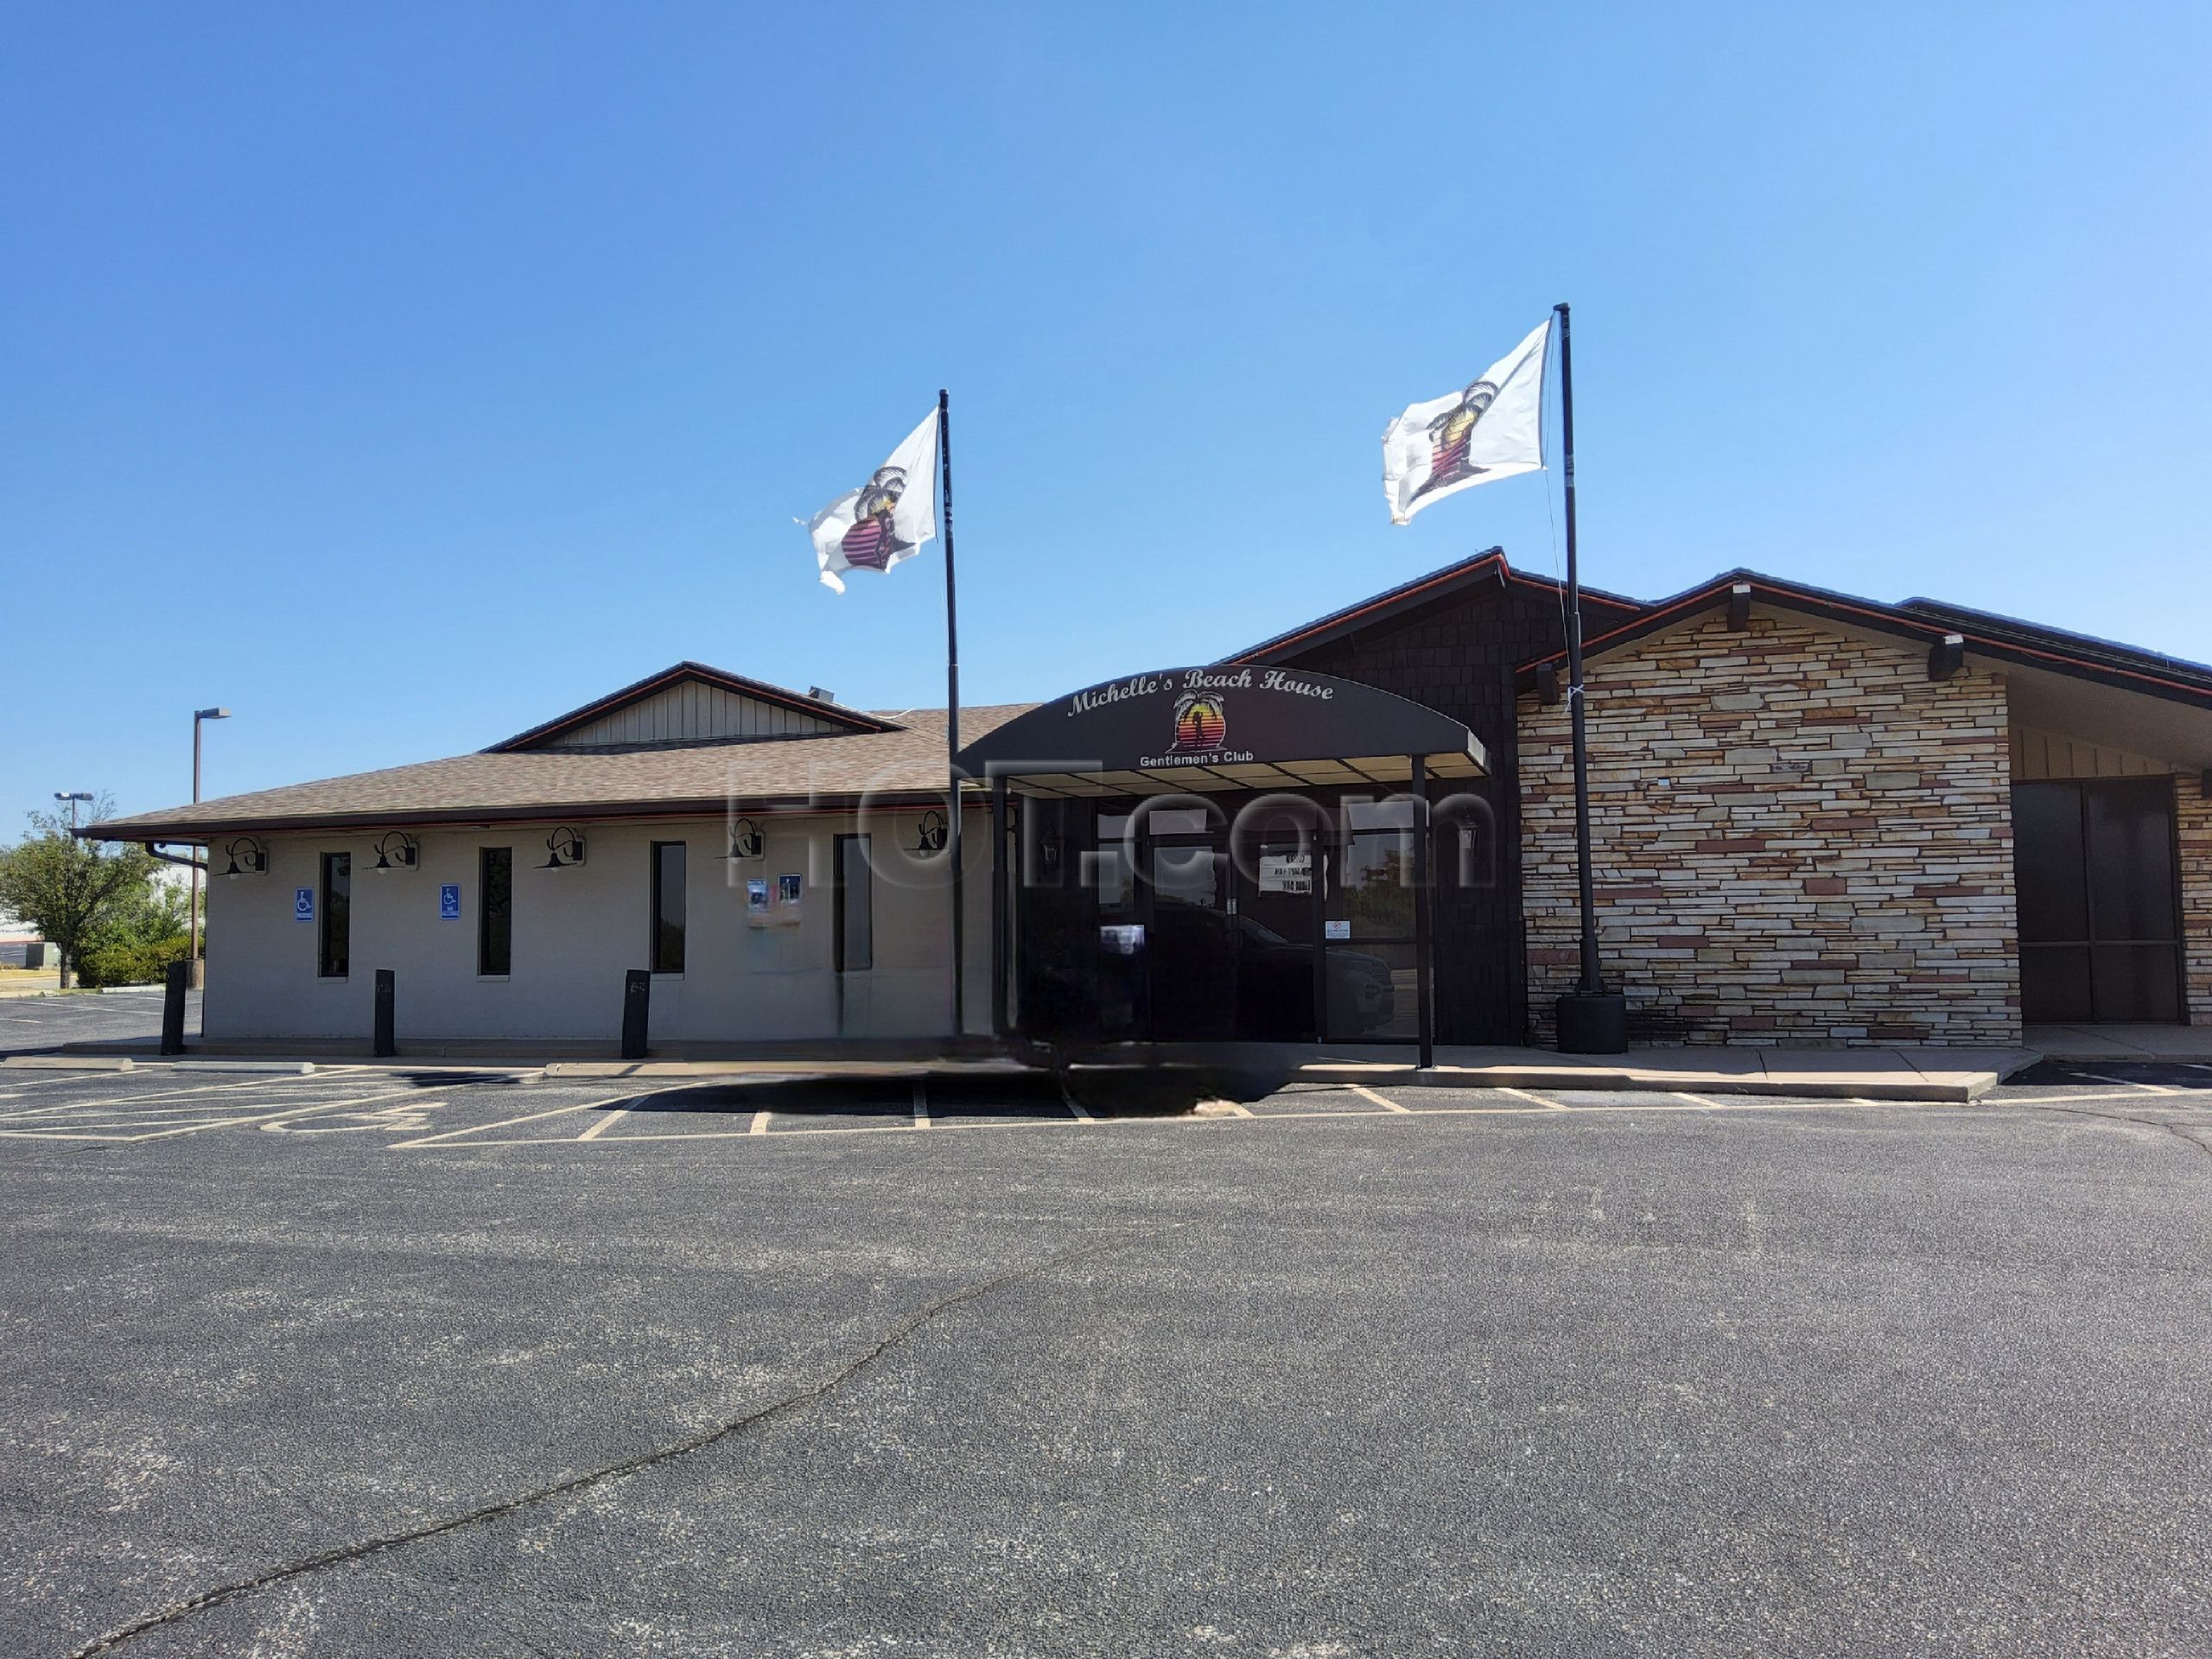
(449, 902)
(303, 904)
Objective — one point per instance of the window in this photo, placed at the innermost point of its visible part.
(856, 905)
(336, 932)
(667, 907)
(495, 910)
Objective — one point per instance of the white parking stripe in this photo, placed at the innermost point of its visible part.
(1549, 1105)
(2129, 1082)
(508, 1123)
(120, 1101)
(761, 1121)
(1384, 1102)
(605, 1124)
(921, 1104)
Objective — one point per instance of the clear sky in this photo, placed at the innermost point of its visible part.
(401, 376)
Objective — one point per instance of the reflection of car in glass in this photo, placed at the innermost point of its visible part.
(1274, 977)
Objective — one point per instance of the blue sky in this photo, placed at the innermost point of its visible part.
(403, 376)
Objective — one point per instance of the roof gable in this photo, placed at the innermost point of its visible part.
(1396, 604)
(691, 702)
(1919, 622)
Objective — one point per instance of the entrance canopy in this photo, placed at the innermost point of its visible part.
(1220, 729)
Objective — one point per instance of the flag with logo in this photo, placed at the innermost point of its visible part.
(1493, 428)
(885, 519)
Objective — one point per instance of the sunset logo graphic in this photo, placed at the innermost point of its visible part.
(1200, 724)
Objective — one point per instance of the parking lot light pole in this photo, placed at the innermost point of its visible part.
(192, 952)
(72, 797)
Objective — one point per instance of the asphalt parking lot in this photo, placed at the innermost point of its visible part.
(414, 1362)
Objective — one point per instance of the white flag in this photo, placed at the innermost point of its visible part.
(1493, 430)
(887, 518)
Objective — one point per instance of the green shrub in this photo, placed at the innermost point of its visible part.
(128, 961)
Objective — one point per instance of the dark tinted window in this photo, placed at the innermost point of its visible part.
(856, 905)
(667, 907)
(495, 909)
(336, 932)
(2047, 861)
(2132, 859)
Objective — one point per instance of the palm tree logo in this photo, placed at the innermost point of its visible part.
(1201, 723)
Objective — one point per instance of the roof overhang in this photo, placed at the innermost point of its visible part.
(2011, 648)
(1222, 729)
(201, 834)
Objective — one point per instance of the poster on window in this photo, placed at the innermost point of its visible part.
(1286, 872)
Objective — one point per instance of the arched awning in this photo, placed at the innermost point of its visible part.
(1218, 729)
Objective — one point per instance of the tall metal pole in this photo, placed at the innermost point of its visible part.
(951, 711)
(1594, 983)
(192, 952)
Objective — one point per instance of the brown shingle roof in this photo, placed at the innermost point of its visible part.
(906, 760)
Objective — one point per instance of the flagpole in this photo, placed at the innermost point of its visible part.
(1591, 1021)
(951, 711)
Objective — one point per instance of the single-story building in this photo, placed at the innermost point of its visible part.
(1816, 819)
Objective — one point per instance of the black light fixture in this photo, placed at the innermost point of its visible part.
(248, 856)
(564, 850)
(929, 838)
(397, 850)
(745, 840)
(1947, 657)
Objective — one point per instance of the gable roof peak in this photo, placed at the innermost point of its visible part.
(834, 716)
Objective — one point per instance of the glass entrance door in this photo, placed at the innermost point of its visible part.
(1278, 929)
(1192, 957)
(2100, 923)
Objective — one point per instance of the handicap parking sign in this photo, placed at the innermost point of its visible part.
(449, 902)
(303, 904)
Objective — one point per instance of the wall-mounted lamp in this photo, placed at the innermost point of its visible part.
(929, 838)
(1947, 657)
(398, 850)
(564, 850)
(745, 840)
(247, 855)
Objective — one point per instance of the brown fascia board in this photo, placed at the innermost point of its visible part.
(738, 683)
(1922, 627)
(2035, 636)
(1489, 566)
(597, 812)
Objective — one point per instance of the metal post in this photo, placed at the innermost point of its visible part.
(1000, 874)
(951, 710)
(1424, 938)
(172, 1009)
(384, 1046)
(637, 1006)
(192, 952)
(1593, 979)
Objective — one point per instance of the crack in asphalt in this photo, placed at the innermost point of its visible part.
(2174, 1129)
(823, 1387)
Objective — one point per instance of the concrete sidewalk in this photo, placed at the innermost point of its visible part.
(1924, 1074)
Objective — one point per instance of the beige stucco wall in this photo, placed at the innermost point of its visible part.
(576, 930)
(1799, 838)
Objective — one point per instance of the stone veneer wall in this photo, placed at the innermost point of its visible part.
(2193, 836)
(1798, 838)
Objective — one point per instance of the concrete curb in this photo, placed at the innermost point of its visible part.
(1584, 1079)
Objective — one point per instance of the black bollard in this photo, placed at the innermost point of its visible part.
(173, 1007)
(637, 1000)
(385, 1047)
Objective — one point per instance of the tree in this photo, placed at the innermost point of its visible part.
(68, 889)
